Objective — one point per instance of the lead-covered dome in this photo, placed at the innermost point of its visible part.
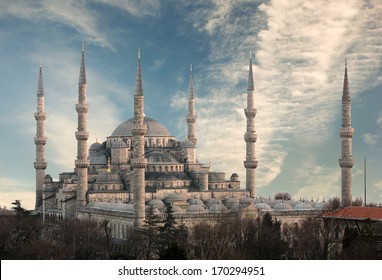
(154, 128)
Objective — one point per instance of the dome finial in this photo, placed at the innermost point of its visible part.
(83, 45)
(346, 62)
(108, 165)
(139, 53)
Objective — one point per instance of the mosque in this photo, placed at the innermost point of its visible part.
(141, 167)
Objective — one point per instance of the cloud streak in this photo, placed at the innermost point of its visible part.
(299, 47)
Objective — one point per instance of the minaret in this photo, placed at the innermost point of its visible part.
(138, 161)
(191, 117)
(346, 132)
(40, 140)
(250, 136)
(82, 135)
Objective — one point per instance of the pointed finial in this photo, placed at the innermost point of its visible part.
(346, 62)
(139, 53)
(83, 45)
(190, 67)
(108, 165)
(250, 54)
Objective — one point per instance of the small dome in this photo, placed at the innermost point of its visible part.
(157, 203)
(263, 206)
(246, 201)
(155, 210)
(119, 144)
(176, 209)
(175, 197)
(231, 202)
(212, 201)
(186, 144)
(195, 201)
(322, 205)
(217, 208)
(95, 147)
(234, 177)
(48, 178)
(196, 208)
(108, 177)
(303, 206)
(282, 207)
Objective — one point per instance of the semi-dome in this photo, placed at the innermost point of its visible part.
(98, 158)
(154, 128)
(160, 157)
(109, 177)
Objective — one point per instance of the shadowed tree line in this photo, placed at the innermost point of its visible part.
(23, 236)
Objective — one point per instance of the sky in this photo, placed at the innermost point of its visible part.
(298, 49)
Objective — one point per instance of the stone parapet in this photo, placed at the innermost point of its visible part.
(346, 132)
(346, 162)
(138, 163)
(82, 163)
(40, 116)
(250, 137)
(191, 119)
(250, 163)
(40, 165)
(82, 135)
(82, 108)
(250, 113)
(40, 140)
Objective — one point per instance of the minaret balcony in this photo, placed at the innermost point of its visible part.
(250, 113)
(40, 140)
(40, 165)
(40, 116)
(82, 135)
(138, 163)
(191, 119)
(250, 137)
(139, 129)
(82, 108)
(346, 132)
(82, 163)
(250, 163)
(346, 162)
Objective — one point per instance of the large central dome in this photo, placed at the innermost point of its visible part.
(154, 128)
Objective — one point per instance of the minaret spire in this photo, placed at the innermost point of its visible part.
(191, 117)
(40, 140)
(250, 136)
(138, 161)
(82, 135)
(346, 132)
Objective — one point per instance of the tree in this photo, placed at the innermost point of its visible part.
(358, 201)
(282, 196)
(334, 204)
(20, 211)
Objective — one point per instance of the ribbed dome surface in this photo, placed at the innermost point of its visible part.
(282, 207)
(160, 157)
(154, 128)
(119, 144)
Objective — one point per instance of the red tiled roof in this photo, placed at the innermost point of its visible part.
(356, 213)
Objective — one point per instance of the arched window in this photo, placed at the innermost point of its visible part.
(172, 168)
(166, 168)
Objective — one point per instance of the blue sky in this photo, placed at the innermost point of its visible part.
(298, 47)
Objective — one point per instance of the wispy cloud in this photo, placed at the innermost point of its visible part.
(370, 139)
(299, 49)
(136, 7)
